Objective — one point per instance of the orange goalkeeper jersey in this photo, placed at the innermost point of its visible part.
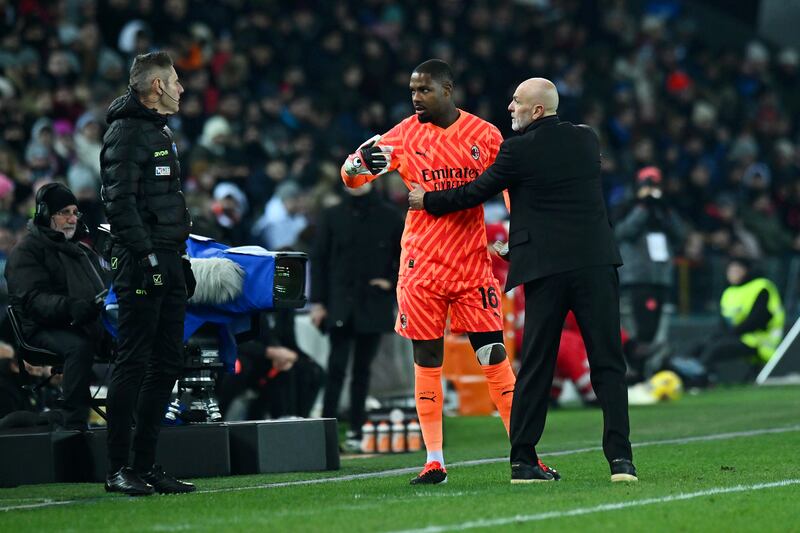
(451, 247)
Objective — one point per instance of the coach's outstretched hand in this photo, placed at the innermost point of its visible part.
(415, 197)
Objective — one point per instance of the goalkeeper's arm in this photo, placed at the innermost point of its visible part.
(368, 162)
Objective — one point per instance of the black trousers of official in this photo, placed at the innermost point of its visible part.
(364, 347)
(79, 353)
(149, 357)
(592, 293)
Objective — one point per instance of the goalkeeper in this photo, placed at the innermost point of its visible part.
(444, 263)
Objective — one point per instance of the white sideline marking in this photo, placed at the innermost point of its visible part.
(599, 508)
(415, 469)
(475, 462)
(49, 503)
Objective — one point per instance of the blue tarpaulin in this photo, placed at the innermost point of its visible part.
(233, 317)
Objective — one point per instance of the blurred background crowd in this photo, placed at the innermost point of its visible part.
(277, 93)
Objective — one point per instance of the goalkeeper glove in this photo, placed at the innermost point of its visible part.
(369, 159)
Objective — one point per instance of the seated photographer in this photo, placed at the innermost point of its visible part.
(57, 285)
(284, 380)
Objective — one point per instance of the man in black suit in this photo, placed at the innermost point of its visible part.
(561, 247)
(354, 266)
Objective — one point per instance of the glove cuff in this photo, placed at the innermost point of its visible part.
(354, 165)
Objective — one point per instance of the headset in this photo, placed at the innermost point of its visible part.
(42, 214)
(164, 91)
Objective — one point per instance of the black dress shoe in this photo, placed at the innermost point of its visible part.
(127, 482)
(164, 484)
(525, 473)
(623, 470)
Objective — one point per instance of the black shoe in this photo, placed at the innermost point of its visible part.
(164, 484)
(127, 482)
(525, 473)
(623, 470)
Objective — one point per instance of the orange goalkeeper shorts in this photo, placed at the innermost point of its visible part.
(423, 304)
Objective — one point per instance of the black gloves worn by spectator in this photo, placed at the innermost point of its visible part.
(154, 281)
(188, 275)
(83, 312)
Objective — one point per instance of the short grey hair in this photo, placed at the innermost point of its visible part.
(146, 67)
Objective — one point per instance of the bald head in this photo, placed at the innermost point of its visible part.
(534, 98)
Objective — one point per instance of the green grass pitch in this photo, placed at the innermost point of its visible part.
(726, 460)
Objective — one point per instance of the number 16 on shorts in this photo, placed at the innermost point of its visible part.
(489, 297)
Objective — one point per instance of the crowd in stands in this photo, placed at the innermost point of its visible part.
(278, 93)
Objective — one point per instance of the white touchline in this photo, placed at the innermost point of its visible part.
(516, 519)
(414, 469)
(475, 462)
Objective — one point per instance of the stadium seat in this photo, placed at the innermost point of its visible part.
(26, 353)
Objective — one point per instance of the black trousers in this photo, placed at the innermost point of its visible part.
(726, 347)
(647, 307)
(364, 347)
(592, 293)
(149, 357)
(78, 352)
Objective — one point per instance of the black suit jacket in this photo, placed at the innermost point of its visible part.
(356, 241)
(558, 216)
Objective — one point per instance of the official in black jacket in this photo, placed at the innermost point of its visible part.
(354, 267)
(55, 282)
(149, 227)
(562, 249)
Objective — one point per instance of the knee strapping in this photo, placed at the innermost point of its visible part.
(491, 354)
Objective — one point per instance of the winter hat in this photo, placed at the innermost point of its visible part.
(225, 189)
(57, 198)
(648, 176)
(62, 127)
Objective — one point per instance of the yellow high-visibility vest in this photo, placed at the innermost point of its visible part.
(737, 302)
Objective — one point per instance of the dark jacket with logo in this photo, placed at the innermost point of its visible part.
(356, 241)
(558, 216)
(142, 180)
(46, 274)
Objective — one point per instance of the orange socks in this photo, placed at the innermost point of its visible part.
(429, 399)
(500, 379)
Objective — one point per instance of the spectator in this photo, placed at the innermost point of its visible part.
(283, 219)
(761, 218)
(224, 219)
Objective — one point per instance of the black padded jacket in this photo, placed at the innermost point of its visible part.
(46, 274)
(141, 180)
